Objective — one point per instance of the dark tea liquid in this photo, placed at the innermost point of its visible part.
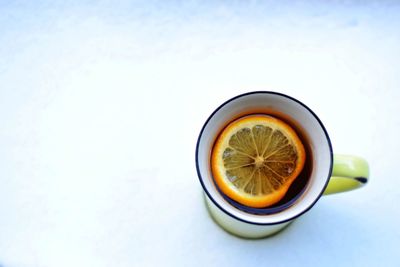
(298, 186)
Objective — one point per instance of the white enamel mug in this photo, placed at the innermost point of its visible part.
(351, 172)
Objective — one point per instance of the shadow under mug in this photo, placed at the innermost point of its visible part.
(329, 173)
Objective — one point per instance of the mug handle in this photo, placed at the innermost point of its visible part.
(348, 173)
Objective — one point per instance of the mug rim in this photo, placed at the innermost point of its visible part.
(271, 93)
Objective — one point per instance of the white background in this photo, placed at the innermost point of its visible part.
(101, 104)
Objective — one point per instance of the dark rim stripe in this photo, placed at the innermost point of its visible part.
(362, 180)
(272, 93)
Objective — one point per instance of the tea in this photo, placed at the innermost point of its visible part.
(298, 186)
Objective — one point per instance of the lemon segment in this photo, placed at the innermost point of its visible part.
(255, 159)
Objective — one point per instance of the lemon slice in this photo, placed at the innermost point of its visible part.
(255, 159)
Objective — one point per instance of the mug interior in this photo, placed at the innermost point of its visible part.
(300, 116)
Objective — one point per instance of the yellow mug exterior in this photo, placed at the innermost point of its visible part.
(348, 173)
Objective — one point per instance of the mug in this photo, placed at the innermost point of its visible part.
(328, 174)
